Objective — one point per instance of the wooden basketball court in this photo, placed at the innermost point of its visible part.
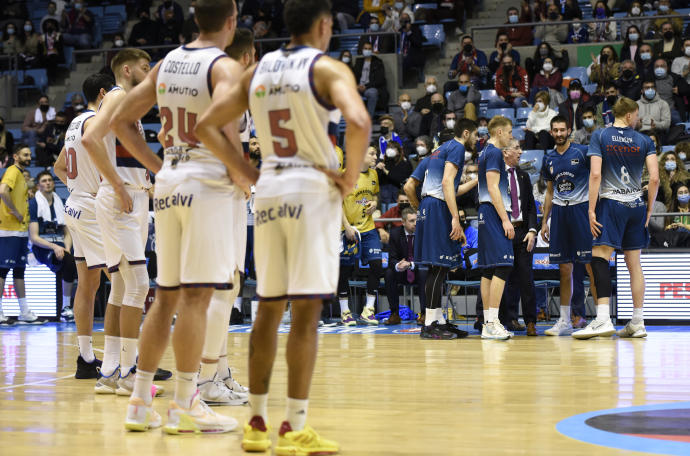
(376, 394)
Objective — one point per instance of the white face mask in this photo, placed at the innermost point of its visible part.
(391, 152)
(431, 88)
(472, 176)
(450, 123)
(635, 11)
(422, 150)
(540, 106)
(468, 156)
(681, 155)
(576, 25)
(406, 105)
(367, 52)
(346, 59)
(548, 66)
(191, 10)
(119, 43)
(687, 51)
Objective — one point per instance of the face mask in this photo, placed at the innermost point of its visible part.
(467, 49)
(431, 88)
(589, 123)
(406, 105)
(575, 94)
(635, 11)
(576, 25)
(346, 59)
(384, 131)
(670, 166)
(668, 35)
(367, 52)
(660, 72)
(483, 131)
(601, 12)
(119, 43)
(684, 199)
(687, 51)
(391, 152)
(540, 106)
(10, 31)
(421, 150)
(28, 28)
(611, 100)
(472, 176)
(191, 10)
(464, 88)
(543, 52)
(507, 67)
(403, 206)
(79, 107)
(681, 155)
(437, 108)
(663, 8)
(44, 108)
(627, 74)
(649, 93)
(374, 27)
(633, 36)
(513, 19)
(548, 66)
(553, 16)
(450, 123)
(645, 56)
(468, 156)
(399, 5)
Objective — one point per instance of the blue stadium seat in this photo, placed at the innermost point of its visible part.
(68, 51)
(152, 126)
(590, 88)
(116, 9)
(112, 23)
(507, 112)
(522, 113)
(434, 34)
(349, 44)
(16, 134)
(577, 73)
(425, 6)
(518, 133)
(488, 95)
(686, 125)
(40, 79)
(667, 149)
(97, 11)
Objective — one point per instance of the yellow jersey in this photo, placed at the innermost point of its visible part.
(19, 193)
(366, 190)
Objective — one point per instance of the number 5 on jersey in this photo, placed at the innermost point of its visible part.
(287, 146)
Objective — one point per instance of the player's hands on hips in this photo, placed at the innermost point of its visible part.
(508, 229)
(530, 239)
(126, 203)
(545, 232)
(350, 233)
(594, 226)
(343, 181)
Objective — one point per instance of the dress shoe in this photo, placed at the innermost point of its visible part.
(394, 319)
(478, 323)
(531, 329)
(579, 322)
(420, 319)
(541, 316)
(516, 326)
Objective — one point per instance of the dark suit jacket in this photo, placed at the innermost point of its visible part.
(527, 205)
(377, 79)
(386, 43)
(397, 246)
(676, 51)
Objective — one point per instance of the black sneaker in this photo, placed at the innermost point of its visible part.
(450, 327)
(162, 374)
(236, 317)
(436, 331)
(478, 323)
(87, 370)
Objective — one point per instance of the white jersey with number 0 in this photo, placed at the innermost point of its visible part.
(82, 175)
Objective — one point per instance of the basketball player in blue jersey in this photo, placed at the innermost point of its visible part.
(566, 172)
(618, 218)
(294, 93)
(495, 228)
(439, 234)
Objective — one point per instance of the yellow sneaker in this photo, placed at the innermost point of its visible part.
(303, 443)
(256, 435)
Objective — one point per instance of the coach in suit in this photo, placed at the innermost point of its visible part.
(402, 268)
(520, 283)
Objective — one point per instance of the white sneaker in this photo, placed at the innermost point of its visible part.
(141, 417)
(234, 385)
(596, 328)
(29, 318)
(216, 392)
(197, 419)
(632, 330)
(107, 385)
(561, 328)
(125, 385)
(5, 321)
(495, 330)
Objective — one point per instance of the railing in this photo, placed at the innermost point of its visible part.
(474, 217)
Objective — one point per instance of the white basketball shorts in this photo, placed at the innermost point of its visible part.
(80, 218)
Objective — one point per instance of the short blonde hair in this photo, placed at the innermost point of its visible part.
(127, 55)
(545, 95)
(623, 107)
(499, 122)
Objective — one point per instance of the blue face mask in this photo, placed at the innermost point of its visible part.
(513, 19)
(684, 199)
(660, 72)
(464, 89)
(649, 93)
(645, 56)
(601, 12)
(589, 123)
(670, 166)
(374, 27)
(483, 131)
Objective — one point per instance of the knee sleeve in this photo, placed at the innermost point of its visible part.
(3, 273)
(117, 289)
(217, 321)
(69, 268)
(374, 277)
(343, 281)
(602, 277)
(488, 273)
(136, 280)
(502, 272)
(18, 273)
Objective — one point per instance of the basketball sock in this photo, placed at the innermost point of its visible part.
(142, 386)
(217, 319)
(487, 315)
(23, 306)
(344, 305)
(222, 366)
(371, 301)
(258, 403)
(207, 372)
(128, 355)
(493, 315)
(565, 313)
(111, 355)
(296, 413)
(603, 312)
(185, 387)
(255, 308)
(638, 315)
(238, 303)
(86, 348)
(66, 302)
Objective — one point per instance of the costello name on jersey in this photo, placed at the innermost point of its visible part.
(177, 67)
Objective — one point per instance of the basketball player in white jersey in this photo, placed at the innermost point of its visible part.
(292, 93)
(122, 215)
(74, 167)
(195, 200)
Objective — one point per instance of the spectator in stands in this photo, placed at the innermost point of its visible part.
(118, 41)
(683, 151)
(681, 198)
(540, 10)
(393, 172)
(407, 122)
(411, 49)
(665, 9)
(534, 64)
(6, 144)
(383, 43)
(604, 115)
(681, 65)
(346, 57)
(391, 19)
(517, 36)
(645, 68)
(604, 68)
(464, 101)
(503, 46)
(655, 140)
(51, 14)
(512, 85)
(573, 107)
(552, 34)
(75, 108)
(51, 140)
(388, 134)
(31, 47)
(144, 32)
(169, 30)
(423, 146)
(671, 87)
(656, 224)
(629, 83)
(345, 12)
(671, 46)
(602, 30)
(631, 45)
(190, 31)
(589, 125)
(445, 131)
(51, 242)
(36, 120)
(11, 44)
(371, 79)
(469, 60)
(53, 52)
(654, 113)
(635, 18)
(394, 212)
(170, 11)
(548, 78)
(434, 120)
(670, 175)
(538, 126)
(482, 132)
(374, 8)
(578, 32)
(402, 269)
(77, 26)
(423, 104)
(570, 10)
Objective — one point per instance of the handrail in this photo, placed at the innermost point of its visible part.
(474, 217)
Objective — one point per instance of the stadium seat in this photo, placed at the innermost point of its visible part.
(488, 95)
(522, 114)
(39, 76)
(590, 88)
(518, 133)
(577, 73)
(16, 134)
(425, 6)
(506, 112)
(116, 9)
(686, 125)
(667, 149)
(97, 11)
(434, 34)
(68, 52)
(112, 23)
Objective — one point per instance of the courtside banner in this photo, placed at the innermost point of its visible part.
(667, 294)
(40, 292)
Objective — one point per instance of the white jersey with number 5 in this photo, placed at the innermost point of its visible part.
(294, 125)
(82, 175)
